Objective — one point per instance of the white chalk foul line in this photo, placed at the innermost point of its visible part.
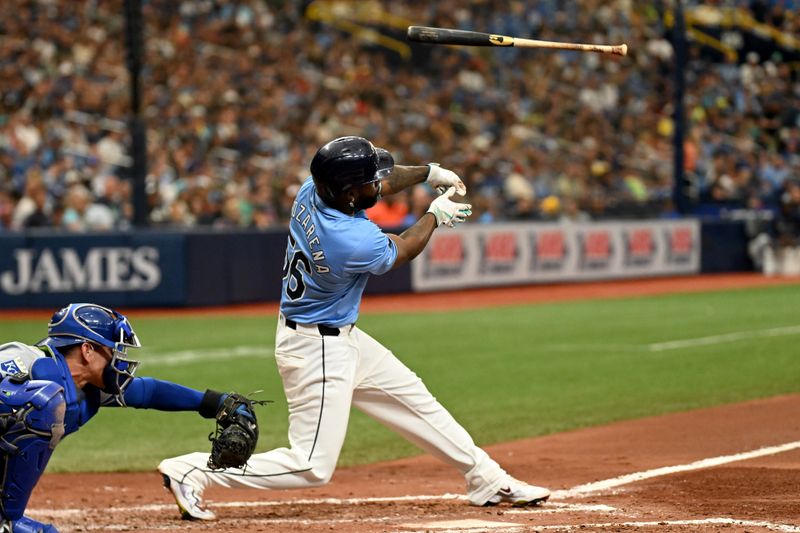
(719, 339)
(560, 507)
(155, 507)
(553, 507)
(599, 486)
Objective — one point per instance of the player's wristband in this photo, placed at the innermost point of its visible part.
(210, 403)
(432, 211)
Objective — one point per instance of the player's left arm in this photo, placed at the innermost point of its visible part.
(236, 435)
(434, 175)
(151, 393)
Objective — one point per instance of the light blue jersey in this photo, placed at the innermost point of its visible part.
(328, 260)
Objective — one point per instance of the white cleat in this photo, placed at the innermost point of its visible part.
(188, 499)
(519, 494)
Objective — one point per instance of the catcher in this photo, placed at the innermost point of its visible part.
(50, 390)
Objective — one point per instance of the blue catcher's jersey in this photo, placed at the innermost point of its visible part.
(328, 260)
(21, 362)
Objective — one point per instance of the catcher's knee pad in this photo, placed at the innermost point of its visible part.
(26, 525)
(31, 425)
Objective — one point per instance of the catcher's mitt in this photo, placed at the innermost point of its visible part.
(236, 434)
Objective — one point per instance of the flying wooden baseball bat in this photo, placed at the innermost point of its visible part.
(425, 34)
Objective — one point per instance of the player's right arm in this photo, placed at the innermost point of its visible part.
(412, 241)
(434, 175)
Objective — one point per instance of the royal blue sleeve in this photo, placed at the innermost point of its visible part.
(151, 393)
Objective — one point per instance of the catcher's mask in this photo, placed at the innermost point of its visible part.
(85, 322)
(348, 162)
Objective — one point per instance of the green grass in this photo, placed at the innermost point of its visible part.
(505, 373)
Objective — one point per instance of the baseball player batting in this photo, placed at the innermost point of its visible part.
(326, 362)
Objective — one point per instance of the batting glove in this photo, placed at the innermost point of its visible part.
(448, 212)
(440, 179)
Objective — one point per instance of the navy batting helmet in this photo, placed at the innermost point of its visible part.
(348, 162)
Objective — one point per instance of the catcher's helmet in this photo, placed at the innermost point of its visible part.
(85, 322)
(348, 162)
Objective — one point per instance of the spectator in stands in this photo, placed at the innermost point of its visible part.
(550, 208)
(420, 197)
(39, 217)
(32, 209)
(231, 216)
(390, 212)
(233, 103)
(788, 223)
(83, 214)
(7, 207)
(571, 211)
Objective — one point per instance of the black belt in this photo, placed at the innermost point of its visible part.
(323, 329)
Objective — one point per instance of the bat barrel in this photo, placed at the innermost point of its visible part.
(425, 34)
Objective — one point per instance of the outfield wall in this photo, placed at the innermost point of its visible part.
(176, 269)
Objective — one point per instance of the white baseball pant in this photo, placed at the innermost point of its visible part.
(322, 376)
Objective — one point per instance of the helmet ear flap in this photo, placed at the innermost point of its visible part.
(324, 191)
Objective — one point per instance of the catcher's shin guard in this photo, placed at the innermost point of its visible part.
(31, 425)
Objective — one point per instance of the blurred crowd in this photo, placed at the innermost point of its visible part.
(238, 95)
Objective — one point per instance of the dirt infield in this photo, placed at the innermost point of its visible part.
(402, 495)
(730, 468)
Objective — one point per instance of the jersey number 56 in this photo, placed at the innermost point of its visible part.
(293, 270)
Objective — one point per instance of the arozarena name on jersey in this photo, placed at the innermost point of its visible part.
(103, 269)
(300, 213)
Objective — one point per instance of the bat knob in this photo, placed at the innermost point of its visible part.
(623, 50)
